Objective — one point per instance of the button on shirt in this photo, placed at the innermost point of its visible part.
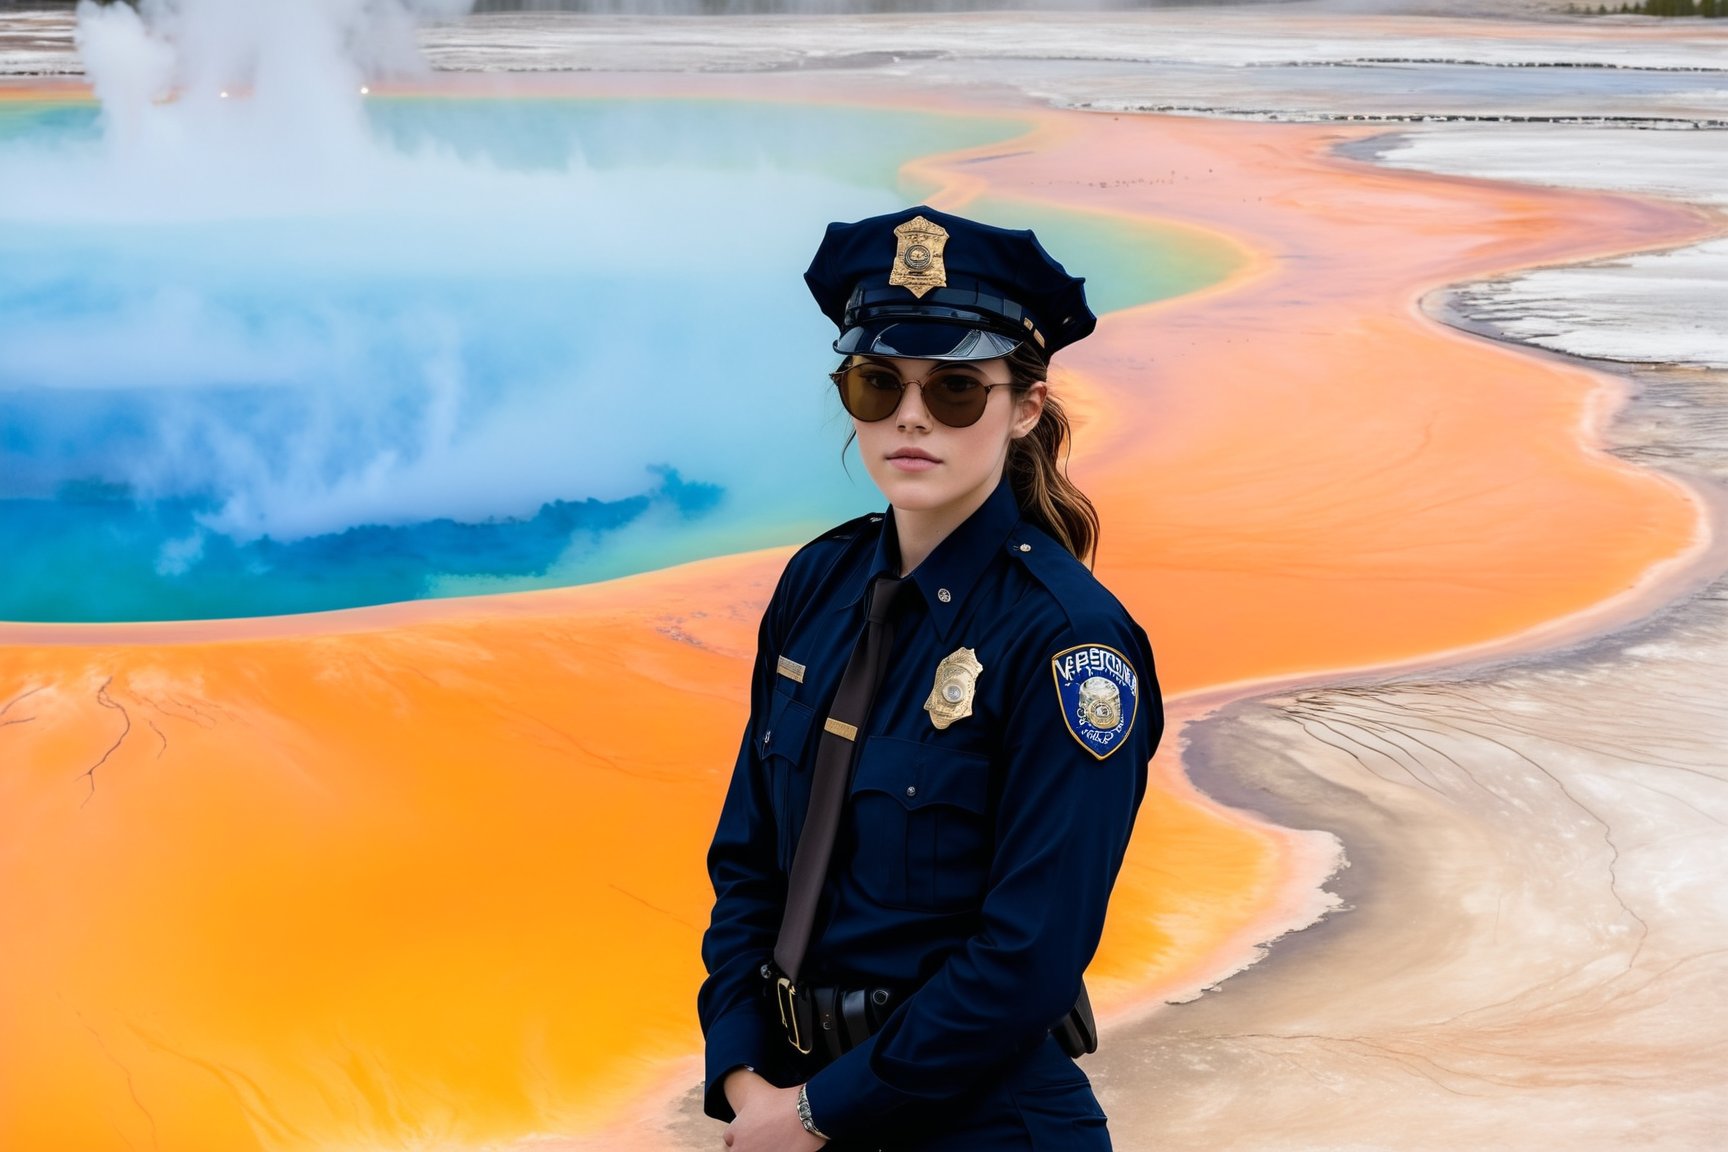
(974, 861)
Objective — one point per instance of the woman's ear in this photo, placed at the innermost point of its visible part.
(1028, 407)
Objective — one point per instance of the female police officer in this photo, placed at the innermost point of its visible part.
(950, 725)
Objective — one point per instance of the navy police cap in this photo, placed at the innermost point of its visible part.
(927, 285)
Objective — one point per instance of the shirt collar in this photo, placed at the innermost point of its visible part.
(948, 575)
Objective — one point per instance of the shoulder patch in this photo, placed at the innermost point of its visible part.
(1098, 693)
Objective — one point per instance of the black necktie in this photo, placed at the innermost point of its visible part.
(833, 774)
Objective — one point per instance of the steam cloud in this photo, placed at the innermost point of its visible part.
(259, 294)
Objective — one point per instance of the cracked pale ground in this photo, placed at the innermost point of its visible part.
(1537, 942)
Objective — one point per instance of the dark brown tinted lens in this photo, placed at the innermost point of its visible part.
(870, 392)
(955, 398)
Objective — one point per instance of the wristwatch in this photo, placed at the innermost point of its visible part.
(804, 1115)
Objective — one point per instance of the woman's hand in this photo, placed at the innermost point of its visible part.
(767, 1117)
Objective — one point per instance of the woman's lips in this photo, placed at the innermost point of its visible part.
(912, 460)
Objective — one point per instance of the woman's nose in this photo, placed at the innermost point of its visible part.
(912, 413)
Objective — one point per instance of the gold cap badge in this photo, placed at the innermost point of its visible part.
(918, 263)
(956, 681)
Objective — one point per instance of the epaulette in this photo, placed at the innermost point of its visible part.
(849, 529)
(817, 558)
(1070, 583)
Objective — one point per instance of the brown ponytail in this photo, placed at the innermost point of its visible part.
(1037, 471)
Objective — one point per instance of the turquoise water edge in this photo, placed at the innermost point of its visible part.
(562, 340)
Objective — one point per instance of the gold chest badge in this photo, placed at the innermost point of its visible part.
(918, 263)
(956, 682)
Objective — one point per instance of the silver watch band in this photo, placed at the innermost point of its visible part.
(804, 1115)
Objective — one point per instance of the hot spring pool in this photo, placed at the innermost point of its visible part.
(446, 346)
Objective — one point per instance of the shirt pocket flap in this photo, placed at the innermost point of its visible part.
(787, 727)
(920, 775)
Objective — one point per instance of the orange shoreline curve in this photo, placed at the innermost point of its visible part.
(431, 874)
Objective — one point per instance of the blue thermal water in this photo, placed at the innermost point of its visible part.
(510, 344)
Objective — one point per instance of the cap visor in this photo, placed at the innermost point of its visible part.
(925, 340)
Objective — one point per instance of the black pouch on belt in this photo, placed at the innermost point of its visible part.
(1078, 1031)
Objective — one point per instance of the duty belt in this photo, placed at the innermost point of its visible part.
(832, 1021)
(827, 1020)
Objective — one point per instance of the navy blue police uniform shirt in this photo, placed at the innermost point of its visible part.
(974, 861)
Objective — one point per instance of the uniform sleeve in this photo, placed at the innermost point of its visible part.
(1062, 828)
(749, 894)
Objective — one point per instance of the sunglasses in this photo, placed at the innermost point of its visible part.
(954, 396)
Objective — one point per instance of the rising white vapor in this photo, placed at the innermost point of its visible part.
(264, 90)
(216, 45)
(310, 314)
